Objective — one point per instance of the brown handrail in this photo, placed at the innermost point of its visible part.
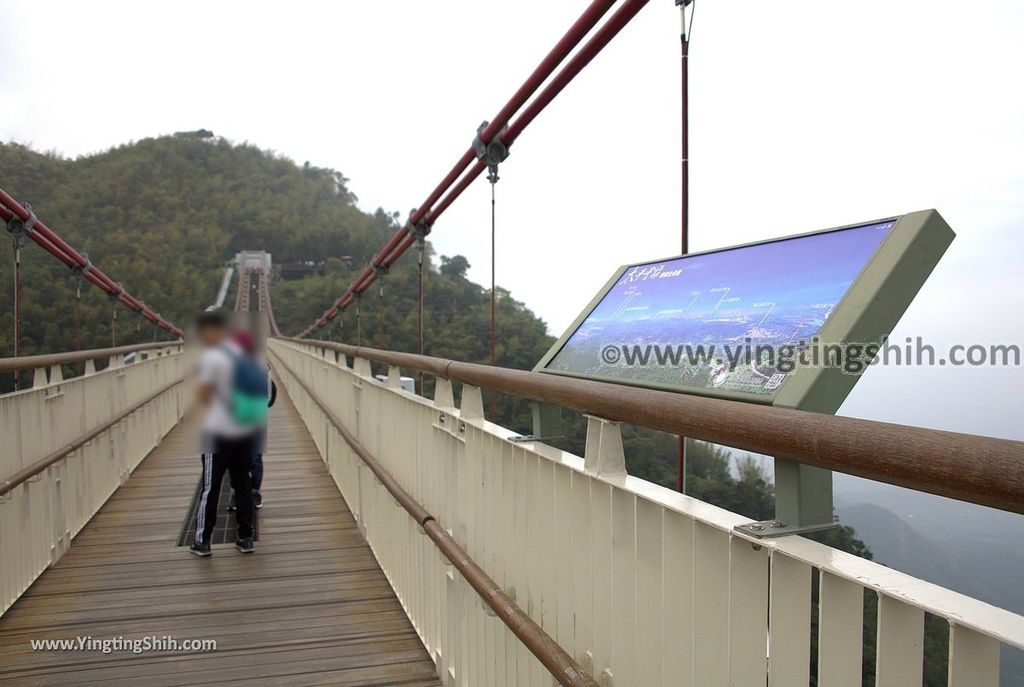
(58, 455)
(982, 470)
(558, 662)
(31, 362)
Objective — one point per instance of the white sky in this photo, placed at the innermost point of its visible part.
(804, 114)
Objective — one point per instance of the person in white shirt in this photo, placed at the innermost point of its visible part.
(227, 445)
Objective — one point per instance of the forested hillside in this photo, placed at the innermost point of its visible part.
(162, 215)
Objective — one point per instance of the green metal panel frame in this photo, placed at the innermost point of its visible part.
(867, 313)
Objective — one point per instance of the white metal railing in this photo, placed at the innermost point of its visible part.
(643, 586)
(50, 492)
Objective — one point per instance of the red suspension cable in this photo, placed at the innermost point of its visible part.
(53, 244)
(455, 182)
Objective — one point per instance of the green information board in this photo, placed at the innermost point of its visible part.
(792, 322)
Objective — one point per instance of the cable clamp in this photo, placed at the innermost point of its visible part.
(492, 152)
(380, 270)
(20, 228)
(79, 271)
(419, 229)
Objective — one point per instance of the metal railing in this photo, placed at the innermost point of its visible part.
(641, 585)
(69, 443)
(981, 470)
(554, 658)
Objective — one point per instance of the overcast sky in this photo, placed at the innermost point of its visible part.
(804, 115)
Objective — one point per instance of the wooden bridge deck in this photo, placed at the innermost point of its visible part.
(310, 607)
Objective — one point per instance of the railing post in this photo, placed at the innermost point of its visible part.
(394, 377)
(472, 406)
(603, 455)
(39, 378)
(444, 399)
(362, 368)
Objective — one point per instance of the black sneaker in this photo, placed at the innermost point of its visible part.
(244, 545)
(231, 503)
(200, 548)
(257, 499)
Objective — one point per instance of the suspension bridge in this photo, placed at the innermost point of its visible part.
(412, 541)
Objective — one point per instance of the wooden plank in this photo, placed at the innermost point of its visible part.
(310, 607)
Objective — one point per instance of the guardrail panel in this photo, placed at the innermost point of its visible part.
(789, 622)
(748, 613)
(973, 658)
(650, 603)
(677, 592)
(710, 606)
(900, 644)
(840, 631)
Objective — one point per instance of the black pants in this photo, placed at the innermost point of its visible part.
(227, 455)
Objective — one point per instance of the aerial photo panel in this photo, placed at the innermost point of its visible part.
(721, 321)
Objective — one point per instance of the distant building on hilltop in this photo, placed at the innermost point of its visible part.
(201, 134)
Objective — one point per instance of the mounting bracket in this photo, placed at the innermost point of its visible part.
(803, 502)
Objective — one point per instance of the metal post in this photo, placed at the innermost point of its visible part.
(78, 321)
(380, 315)
(684, 63)
(359, 332)
(17, 307)
(493, 177)
(419, 315)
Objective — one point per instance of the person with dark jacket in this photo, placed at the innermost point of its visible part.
(256, 466)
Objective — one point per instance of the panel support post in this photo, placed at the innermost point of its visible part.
(803, 502)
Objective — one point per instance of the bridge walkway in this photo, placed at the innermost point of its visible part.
(310, 607)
